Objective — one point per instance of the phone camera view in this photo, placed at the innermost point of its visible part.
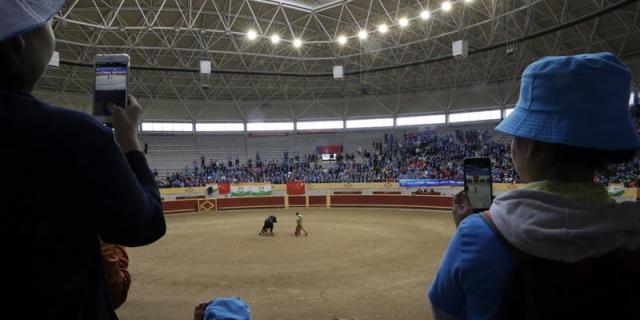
(111, 86)
(478, 182)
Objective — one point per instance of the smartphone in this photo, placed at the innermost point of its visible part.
(111, 81)
(477, 182)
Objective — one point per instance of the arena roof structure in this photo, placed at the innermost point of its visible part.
(273, 59)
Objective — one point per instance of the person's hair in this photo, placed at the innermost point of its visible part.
(564, 156)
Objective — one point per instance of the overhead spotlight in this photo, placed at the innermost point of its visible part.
(403, 22)
(252, 35)
(362, 35)
(468, 1)
(342, 40)
(275, 39)
(297, 43)
(425, 15)
(446, 6)
(382, 28)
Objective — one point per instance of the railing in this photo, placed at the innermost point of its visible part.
(307, 201)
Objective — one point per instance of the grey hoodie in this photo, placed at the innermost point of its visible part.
(555, 228)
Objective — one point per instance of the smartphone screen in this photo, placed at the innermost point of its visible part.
(111, 86)
(477, 182)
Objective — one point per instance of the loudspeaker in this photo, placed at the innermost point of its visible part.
(205, 67)
(338, 72)
(55, 59)
(460, 48)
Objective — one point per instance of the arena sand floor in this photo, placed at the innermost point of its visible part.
(355, 264)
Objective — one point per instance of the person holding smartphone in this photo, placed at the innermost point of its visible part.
(560, 247)
(104, 187)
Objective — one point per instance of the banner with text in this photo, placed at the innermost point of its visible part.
(261, 190)
(421, 183)
(240, 190)
(618, 192)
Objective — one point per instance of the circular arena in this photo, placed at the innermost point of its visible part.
(361, 116)
(355, 264)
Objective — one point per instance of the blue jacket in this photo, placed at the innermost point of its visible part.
(581, 224)
(472, 275)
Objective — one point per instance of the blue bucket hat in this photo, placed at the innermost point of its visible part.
(19, 16)
(232, 308)
(579, 101)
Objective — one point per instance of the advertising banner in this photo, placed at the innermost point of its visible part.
(240, 190)
(618, 192)
(261, 190)
(616, 189)
(421, 183)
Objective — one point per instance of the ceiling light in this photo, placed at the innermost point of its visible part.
(252, 35)
(403, 22)
(362, 34)
(275, 39)
(446, 6)
(425, 15)
(342, 40)
(468, 1)
(382, 28)
(297, 43)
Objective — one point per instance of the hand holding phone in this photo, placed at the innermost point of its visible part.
(461, 207)
(478, 183)
(125, 123)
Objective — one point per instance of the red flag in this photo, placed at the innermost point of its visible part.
(224, 187)
(295, 187)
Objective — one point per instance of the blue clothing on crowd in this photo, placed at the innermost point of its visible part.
(70, 184)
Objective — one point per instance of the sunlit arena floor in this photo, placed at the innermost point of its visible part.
(355, 264)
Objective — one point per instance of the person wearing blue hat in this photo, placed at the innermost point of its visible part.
(103, 188)
(223, 308)
(560, 246)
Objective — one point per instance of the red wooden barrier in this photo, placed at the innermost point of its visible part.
(345, 200)
(317, 201)
(397, 201)
(189, 205)
(297, 201)
(250, 202)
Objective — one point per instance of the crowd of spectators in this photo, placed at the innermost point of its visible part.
(425, 154)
